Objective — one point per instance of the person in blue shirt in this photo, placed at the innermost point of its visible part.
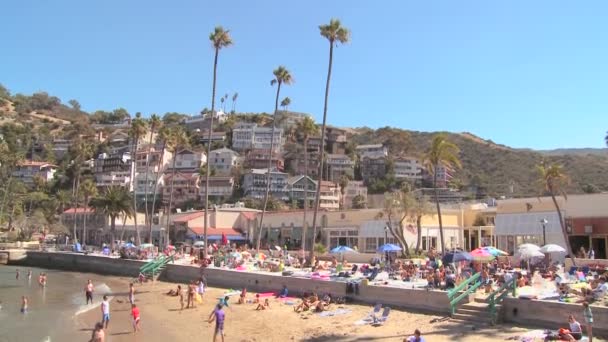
(283, 292)
(224, 301)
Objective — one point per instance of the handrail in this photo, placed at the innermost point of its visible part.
(493, 299)
(452, 293)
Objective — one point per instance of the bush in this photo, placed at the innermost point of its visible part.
(320, 248)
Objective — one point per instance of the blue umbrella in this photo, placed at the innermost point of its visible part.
(389, 247)
(456, 256)
(341, 249)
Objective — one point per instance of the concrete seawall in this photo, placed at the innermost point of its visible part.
(552, 314)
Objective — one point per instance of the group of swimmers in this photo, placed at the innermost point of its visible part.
(25, 299)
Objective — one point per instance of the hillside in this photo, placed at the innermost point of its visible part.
(489, 168)
(494, 167)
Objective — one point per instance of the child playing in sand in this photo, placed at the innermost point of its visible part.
(264, 306)
(243, 296)
(219, 316)
(257, 299)
(135, 315)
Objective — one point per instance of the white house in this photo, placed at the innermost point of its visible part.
(27, 170)
(223, 160)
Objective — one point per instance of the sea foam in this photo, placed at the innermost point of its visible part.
(100, 291)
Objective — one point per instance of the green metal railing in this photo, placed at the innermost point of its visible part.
(154, 267)
(452, 294)
(498, 295)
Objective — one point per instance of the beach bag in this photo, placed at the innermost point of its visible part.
(199, 298)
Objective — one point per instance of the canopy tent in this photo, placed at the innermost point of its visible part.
(457, 256)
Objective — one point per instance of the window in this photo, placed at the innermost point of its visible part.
(371, 244)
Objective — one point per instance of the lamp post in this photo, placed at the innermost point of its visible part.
(544, 222)
(386, 241)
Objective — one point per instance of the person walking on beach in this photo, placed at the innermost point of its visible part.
(98, 334)
(135, 315)
(23, 304)
(131, 294)
(88, 291)
(191, 292)
(588, 316)
(219, 316)
(180, 294)
(105, 311)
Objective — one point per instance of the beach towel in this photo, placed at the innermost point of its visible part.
(334, 313)
(266, 294)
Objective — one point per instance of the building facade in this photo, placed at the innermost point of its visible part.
(27, 170)
(255, 181)
(220, 187)
(114, 170)
(224, 161)
(340, 165)
(354, 189)
(259, 159)
(247, 136)
(408, 168)
(373, 167)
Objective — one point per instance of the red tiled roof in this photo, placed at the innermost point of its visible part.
(216, 231)
(79, 210)
(249, 216)
(189, 217)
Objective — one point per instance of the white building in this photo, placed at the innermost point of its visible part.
(408, 168)
(223, 160)
(330, 196)
(247, 136)
(188, 160)
(114, 170)
(353, 189)
(27, 170)
(219, 187)
(153, 169)
(339, 165)
(372, 151)
(254, 184)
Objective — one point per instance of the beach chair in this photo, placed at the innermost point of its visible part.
(382, 319)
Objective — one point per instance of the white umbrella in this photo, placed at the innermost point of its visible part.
(530, 246)
(552, 248)
(199, 244)
(529, 253)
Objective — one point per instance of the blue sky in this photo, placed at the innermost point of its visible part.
(522, 73)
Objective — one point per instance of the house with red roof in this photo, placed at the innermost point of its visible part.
(27, 170)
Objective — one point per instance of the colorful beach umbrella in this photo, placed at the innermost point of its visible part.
(481, 254)
(529, 253)
(389, 247)
(495, 251)
(456, 256)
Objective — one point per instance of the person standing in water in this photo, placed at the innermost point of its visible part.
(88, 291)
(17, 274)
(29, 275)
(219, 316)
(105, 311)
(131, 294)
(23, 304)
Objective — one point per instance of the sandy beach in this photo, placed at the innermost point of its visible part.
(162, 320)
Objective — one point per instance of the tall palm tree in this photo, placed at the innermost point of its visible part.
(81, 151)
(115, 201)
(441, 154)
(335, 34)
(281, 76)
(220, 39)
(164, 135)
(138, 129)
(420, 208)
(234, 98)
(285, 103)
(552, 180)
(154, 123)
(88, 190)
(306, 128)
(177, 139)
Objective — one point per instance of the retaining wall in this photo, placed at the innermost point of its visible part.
(552, 314)
(82, 263)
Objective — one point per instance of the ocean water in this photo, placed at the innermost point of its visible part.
(52, 310)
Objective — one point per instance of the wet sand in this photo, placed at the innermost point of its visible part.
(161, 320)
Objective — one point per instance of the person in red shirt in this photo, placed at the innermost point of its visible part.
(135, 314)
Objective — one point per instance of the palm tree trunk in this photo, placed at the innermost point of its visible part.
(147, 217)
(124, 229)
(304, 225)
(171, 194)
(208, 169)
(318, 191)
(75, 186)
(162, 155)
(134, 165)
(418, 232)
(112, 231)
(6, 190)
(268, 180)
(84, 221)
(564, 232)
(438, 209)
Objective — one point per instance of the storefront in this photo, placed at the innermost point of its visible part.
(539, 228)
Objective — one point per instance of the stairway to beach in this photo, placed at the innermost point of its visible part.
(476, 312)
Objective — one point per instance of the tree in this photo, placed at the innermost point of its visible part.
(285, 103)
(220, 39)
(335, 33)
(115, 201)
(138, 129)
(176, 139)
(281, 76)
(234, 98)
(421, 207)
(359, 202)
(307, 128)
(88, 190)
(397, 208)
(154, 124)
(80, 151)
(343, 184)
(75, 105)
(442, 153)
(552, 180)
